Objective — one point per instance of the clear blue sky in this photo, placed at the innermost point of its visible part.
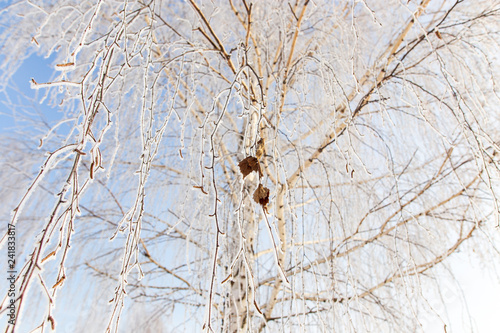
(19, 99)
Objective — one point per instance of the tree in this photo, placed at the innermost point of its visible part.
(258, 166)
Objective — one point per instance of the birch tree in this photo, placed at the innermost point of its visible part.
(239, 166)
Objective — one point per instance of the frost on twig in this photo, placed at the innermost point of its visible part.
(248, 166)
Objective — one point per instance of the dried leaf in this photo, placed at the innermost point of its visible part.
(248, 165)
(438, 34)
(260, 148)
(261, 196)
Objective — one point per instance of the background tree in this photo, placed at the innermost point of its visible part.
(368, 130)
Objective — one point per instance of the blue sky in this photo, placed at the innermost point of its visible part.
(481, 289)
(18, 99)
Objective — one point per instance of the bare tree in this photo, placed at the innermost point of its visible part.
(258, 166)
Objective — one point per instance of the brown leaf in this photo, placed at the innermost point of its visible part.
(260, 148)
(248, 165)
(261, 196)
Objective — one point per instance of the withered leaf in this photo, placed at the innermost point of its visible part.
(248, 165)
(260, 148)
(261, 196)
